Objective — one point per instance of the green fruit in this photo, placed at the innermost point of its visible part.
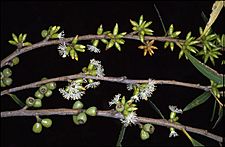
(44, 78)
(44, 33)
(144, 135)
(7, 81)
(2, 83)
(30, 101)
(38, 95)
(149, 128)
(48, 93)
(51, 85)
(43, 89)
(81, 118)
(15, 60)
(75, 119)
(46, 122)
(7, 72)
(37, 128)
(92, 111)
(119, 107)
(37, 103)
(78, 105)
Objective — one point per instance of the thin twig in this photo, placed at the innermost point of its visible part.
(123, 80)
(84, 37)
(110, 114)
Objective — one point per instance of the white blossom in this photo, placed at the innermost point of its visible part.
(173, 133)
(131, 118)
(94, 49)
(130, 87)
(175, 109)
(62, 50)
(148, 90)
(72, 91)
(61, 35)
(135, 98)
(115, 100)
(99, 67)
(92, 85)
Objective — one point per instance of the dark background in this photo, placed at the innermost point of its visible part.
(84, 18)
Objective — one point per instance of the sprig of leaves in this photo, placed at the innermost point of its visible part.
(171, 34)
(19, 41)
(51, 32)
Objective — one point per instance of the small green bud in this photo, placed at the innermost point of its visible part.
(78, 105)
(15, 60)
(90, 81)
(15, 38)
(171, 28)
(81, 118)
(48, 93)
(38, 95)
(43, 89)
(149, 128)
(51, 85)
(144, 135)
(37, 103)
(100, 30)
(7, 81)
(95, 43)
(44, 33)
(119, 107)
(92, 111)
(172, 115)
(141, 19)
(47, 123)
(110, 44)
(37, 128)
(116, 29)
(30, 101)
(117, 45)
(75, 39)
(171, 46)
(7, 72)
(104, 41)
(134, 23)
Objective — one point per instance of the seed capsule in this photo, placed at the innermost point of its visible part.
(144, 135)
(7, 72)
(37, 128)
(81, 118)
(78, 105)
(92, 111)
(46, 122)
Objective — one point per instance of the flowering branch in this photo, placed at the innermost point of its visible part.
(45, 42)
(123, 80)
(111, 114)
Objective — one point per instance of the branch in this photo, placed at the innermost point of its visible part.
(123, 80)
(84, 37)
(111, 114)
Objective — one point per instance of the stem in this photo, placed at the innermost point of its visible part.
(109, 79)
(120, 139)
(111, 114)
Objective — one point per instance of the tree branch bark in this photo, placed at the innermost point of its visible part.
(111, 114)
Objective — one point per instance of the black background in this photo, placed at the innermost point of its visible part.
(84, 18)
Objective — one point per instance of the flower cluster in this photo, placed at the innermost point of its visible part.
(142, 91)
(94, 49)
(173, 118)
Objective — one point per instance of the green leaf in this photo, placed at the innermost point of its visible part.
(116, 29)
(220, 114)
(205, 70)
(216, 8)
(156, 109)
(18, 101)
(193, 141)
(120, 139)
(198, 101)
(213, 113)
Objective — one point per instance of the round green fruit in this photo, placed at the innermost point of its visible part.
(46, 122)
(7, 81)
(38, 95)
(149, 128)
(30, 101)
(2, 83)
(37, 128)
(75, 119)
(51, 85)
(78, 105)
(7, 72)
(37, 103)
(15, 60)
(144, 135)
(48, 93)
(92, 111)
(43, 89)
(81, 118)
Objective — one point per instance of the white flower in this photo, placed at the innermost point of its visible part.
(148, 90)
(115, 100)
(61, 35)
(98, 66)
(92, 85)
(175, 109)
(62, 50)
(72, 91)
(135, 98)
(130, 87)
(92, 48)
(173, 133)
(131, 118)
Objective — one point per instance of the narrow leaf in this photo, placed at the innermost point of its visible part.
(216, 8)
(156, 109)
(198, 101)
(18, 101)
(193, 141)
(121, 135)
(164, 29)
(205, 70)
(220, 113)
(213, 113)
